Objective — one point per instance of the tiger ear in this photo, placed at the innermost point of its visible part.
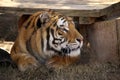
(44, 17)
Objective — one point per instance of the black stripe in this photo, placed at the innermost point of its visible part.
(53, 42)
(27, 25)
(42, 41)
(41, 16)
(64, 21)
(38, 23)
(65, 30)
(52, 32)
(55, 23)
(62, 18)
(62, 42)
(28, 44)
(57, 39)
(28, 47)
(48, 45)
(30, 50)
(48, 37)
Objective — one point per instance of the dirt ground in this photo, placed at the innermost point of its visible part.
(76, 72)
(87, 69)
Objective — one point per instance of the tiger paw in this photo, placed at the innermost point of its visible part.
(27, 63)
(61, 61)
(54, 65)
(57, 62)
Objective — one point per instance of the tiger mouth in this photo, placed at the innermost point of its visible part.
(69, 50)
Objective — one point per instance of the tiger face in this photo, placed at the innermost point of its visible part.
(46, 37)
(63, 38)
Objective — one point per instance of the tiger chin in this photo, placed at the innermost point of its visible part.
(46, 37)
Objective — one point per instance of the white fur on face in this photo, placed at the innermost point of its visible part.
(45, 47)
(62, 23)
(75, 53)
(56, 47)
(81, 44)
(75, 46)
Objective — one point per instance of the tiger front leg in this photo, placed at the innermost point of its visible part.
(61, 61)
(24, 61)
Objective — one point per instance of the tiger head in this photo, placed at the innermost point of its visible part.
(61, 36)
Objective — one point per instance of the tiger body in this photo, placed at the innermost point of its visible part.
(46, 37)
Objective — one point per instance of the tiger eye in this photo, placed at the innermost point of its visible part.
(60, 33)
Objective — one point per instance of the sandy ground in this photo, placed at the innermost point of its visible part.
(6, 45)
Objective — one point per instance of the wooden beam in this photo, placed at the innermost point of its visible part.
(16, 10)
(103, 39)
(77, 9)
(112, 11)
(86, 11)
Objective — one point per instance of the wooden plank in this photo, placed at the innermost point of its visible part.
(103, 40)
(54, 6)
(112, 11)
(15, 10)
(87, 8)
(66, 1)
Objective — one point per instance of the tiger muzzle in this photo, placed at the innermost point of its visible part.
(65, 51)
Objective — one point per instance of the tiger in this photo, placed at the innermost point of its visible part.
(46, 37)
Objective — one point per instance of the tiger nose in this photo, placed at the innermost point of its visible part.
(79, 39)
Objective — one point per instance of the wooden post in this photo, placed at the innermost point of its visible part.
(103, 39)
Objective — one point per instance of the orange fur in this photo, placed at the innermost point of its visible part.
(62, 61)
